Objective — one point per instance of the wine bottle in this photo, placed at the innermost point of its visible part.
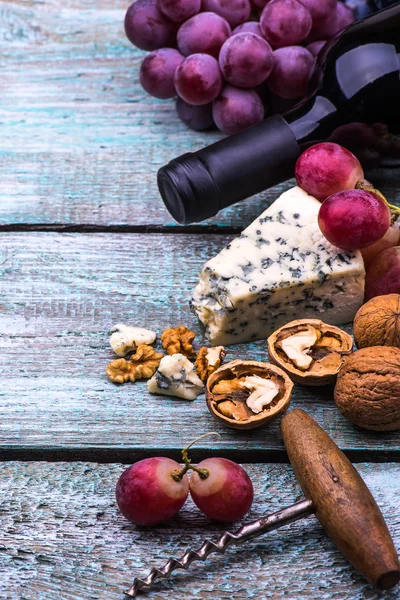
(356, 80)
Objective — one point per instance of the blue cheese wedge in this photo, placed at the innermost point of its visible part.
(279, 269)
(175, 376)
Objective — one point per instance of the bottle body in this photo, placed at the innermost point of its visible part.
(355, 84)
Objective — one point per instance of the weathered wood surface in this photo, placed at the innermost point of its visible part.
(60, 294)
(81, 142)
(61, 536)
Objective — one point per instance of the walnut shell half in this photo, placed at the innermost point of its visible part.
(246, 394)
(367, 390)
(310, 351)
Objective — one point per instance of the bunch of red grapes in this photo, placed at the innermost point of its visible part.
(231, 62)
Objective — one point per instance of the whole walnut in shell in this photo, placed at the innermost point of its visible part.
(377, 323)
(367, 389)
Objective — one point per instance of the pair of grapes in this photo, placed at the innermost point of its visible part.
(155, 489)
(231, 62)
(353, 215)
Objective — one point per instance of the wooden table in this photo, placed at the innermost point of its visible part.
(86, 243)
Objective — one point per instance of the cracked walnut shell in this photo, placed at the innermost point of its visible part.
(310, 351)
(245, 394)
(141, 365)
(178, 340)
(209, 360)
(377, 323)
(367, 390)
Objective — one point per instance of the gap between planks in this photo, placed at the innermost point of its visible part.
(93, 228)
(127, 455)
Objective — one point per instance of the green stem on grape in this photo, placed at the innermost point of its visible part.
(395, 210)
(203, 473)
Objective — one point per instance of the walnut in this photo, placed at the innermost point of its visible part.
(377, 323)
(209, 360)
(141, 365)
(126, 339)
(310, 351)
(178, 340)
(367, 390)
(246, 394)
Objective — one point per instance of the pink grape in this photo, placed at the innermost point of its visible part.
(249, 27)
(157, 72)
(179, 10)
(236, 109)
(226, 494)
(285, 22)
(341, 19)
(327, 168)
(354, 135)
(198, 118)
(234, 11)
(390, 239)
(147, 494)
(147, 28)
(291, 73)
(198, 79)
(320, 10)
(204, 33)
(383, 274)
(246, 60)
(315, 47)
(354, 219)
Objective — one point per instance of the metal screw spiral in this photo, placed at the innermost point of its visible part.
(247, 532)
(207, 548)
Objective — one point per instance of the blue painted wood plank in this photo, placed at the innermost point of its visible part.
(81, 142)
(62, 537)
(61, 293)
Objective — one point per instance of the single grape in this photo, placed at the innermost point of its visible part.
(354, 219)
(315, 47)
(147, 28)
(383, 274)
(390, 239)
(285, 22)
(198, 79)
(179, 10)
(236, 109)
(198, 118)
(226, 494)
(257, 4)
(246, 60)
(327, 168)
(341, 19)
(234, 11)
(249, 27)
(320, 10)
(147, 494)
(157, 72)
(204, 33)
(291, 73)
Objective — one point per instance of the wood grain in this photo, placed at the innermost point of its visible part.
(61, 536)
(60, 294)
(81, 142)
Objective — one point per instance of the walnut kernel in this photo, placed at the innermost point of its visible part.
(141, 365)
(209, 360)
(178, 340)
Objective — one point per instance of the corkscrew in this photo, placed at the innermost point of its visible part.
(334, 492)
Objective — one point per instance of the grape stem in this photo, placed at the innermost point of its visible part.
(203, 473)
(395, 210)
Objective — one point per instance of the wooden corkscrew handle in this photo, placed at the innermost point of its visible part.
(343, 503)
